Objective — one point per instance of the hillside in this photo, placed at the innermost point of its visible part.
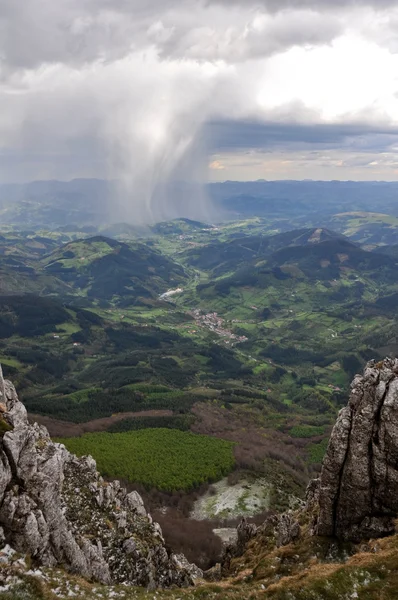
(179, 226)
(368, 228)
(55, 203)
(284, 205)
(102, 268)
(18, 278)
(336, 259)
(221, 257)
(57, 507)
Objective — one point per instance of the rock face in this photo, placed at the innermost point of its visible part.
(356, 496)
(56, 507)
(278, 530)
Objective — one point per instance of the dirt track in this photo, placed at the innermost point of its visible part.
(57, 428)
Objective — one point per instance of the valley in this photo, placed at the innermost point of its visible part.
(243, 333)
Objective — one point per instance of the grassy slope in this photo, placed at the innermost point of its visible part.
(368, 575)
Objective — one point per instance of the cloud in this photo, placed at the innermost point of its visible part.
(74, 32)
(218, 36)
(233, 135)
(318, 5)
(216, 165)
(79, 31)
(152, 91)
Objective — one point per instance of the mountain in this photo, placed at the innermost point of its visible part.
(324, 550)
(104, 268)
(391, 251)
(357, 492)
(221, 257)
(90, 202)
(311, 255)
(335, 259)
(370, 228)
(19, 277)
(298, 198)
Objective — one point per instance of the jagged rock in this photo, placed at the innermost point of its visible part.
(135, 502)
(245, 532)
(356, 496)
(192, 569)
(287, 529)
(213, 574)
(57, 508)
(277, 530)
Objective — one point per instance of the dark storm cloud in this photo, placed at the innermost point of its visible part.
(230, 135)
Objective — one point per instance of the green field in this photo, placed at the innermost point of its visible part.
(166, 459)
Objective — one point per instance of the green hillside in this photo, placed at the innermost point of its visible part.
(102, 268)
(370, 228)
(221, 257)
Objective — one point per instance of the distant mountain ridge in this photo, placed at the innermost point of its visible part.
(92, 201)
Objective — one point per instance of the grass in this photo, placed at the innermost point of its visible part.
(166, 459)
(365, 576)
(83, 395)
(67, 328)
(10, 362)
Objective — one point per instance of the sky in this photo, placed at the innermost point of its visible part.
(144, 91)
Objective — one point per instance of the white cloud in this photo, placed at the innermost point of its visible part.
(123, 88)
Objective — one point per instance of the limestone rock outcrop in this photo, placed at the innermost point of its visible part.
(356, 496)
(57, 508)
(277, 530)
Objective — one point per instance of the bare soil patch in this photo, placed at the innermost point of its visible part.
(58, 428)
(254, 442)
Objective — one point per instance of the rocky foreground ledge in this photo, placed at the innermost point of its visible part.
(58, 509)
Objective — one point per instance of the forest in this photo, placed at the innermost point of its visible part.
(166, 459)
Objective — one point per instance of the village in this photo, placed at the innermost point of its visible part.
(216, 323)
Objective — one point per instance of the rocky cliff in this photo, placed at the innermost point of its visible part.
(58, 509)
(356, 496)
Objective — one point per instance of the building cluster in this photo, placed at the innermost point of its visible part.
(215, 323)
